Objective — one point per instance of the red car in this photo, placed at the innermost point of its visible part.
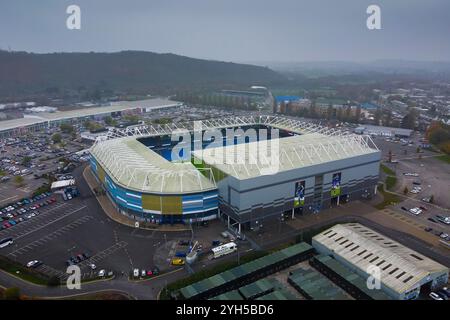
(423, 208)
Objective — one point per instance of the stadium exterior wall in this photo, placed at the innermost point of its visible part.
(249, 200)
(157, 208)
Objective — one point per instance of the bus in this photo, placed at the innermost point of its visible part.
(6, 242)
(224, 249)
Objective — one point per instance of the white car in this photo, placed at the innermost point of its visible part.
(443, 235)
(435, 296)
(92, 266)
(33, 263)
(136, 273)
(102, 273)
(415, 211)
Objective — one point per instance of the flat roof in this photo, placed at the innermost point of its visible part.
(244, 161)
(401, 267)
(85, 112)
(240, 271)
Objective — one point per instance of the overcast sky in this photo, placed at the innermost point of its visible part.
(234, 30)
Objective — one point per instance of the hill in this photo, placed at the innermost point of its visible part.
(23, 73)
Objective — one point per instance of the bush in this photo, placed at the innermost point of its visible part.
(53, 281)
(12, 294)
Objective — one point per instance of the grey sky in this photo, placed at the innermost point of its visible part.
(234, 30)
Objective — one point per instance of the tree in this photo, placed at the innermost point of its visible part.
(409, 121)
(18, 180)
(66, 128)
(405, 191)
(26, 161)
(56, 138)
(377, 116)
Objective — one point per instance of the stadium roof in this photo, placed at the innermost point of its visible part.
(134, 166)
(249, 160)
(401, 267)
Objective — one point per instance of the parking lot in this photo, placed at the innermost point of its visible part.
(66, 229)
(423, 177)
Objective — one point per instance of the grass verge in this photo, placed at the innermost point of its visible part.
(390, 182)
(22, 272)
(387, 170)
(444, 157)
(388, 198)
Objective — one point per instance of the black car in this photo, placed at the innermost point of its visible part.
(432, 219)
(155, 271)
(85, 256)
(403, 208)
(442, 294)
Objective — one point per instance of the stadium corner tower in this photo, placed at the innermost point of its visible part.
(317, 168)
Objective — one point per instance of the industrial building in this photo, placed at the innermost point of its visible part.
(403, 272)
(384, 131)
(308, 169)
(247, 273)
(46, 120)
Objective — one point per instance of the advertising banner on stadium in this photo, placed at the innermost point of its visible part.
(299, 198)
(336, 185)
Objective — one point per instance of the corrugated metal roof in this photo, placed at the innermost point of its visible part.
(401, 267)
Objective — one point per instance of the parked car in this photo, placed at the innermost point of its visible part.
(177, 262)
(34, 264)
(435, 296)
(136, 273)
(102, 273)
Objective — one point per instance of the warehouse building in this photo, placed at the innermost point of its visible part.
(314, 286)
(247, 273)
(403, 273)
(353, 283)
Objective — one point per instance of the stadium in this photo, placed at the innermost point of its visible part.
(316, 168)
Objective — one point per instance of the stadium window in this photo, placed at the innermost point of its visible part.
(357, 246)
(370, 254)
(350, 244)
(331, 236)
(387, 267)
(393, 271)
(362, 252)
(417, 257)
(338, 239)
(407, 279)
(373, 259)
(346, 240)
(400, 275)
(380, 263)
(331, 230)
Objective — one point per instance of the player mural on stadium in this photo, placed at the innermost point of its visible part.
(336, 185)
(299, 199)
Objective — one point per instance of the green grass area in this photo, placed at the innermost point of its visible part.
(390, 182)
(22, 272)
(387, 170)
(444, 157)
(388, 198)
(165, 293)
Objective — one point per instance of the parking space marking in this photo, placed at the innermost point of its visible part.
(43, 240)
(39, 219)
(103, 254)
(49, 223)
